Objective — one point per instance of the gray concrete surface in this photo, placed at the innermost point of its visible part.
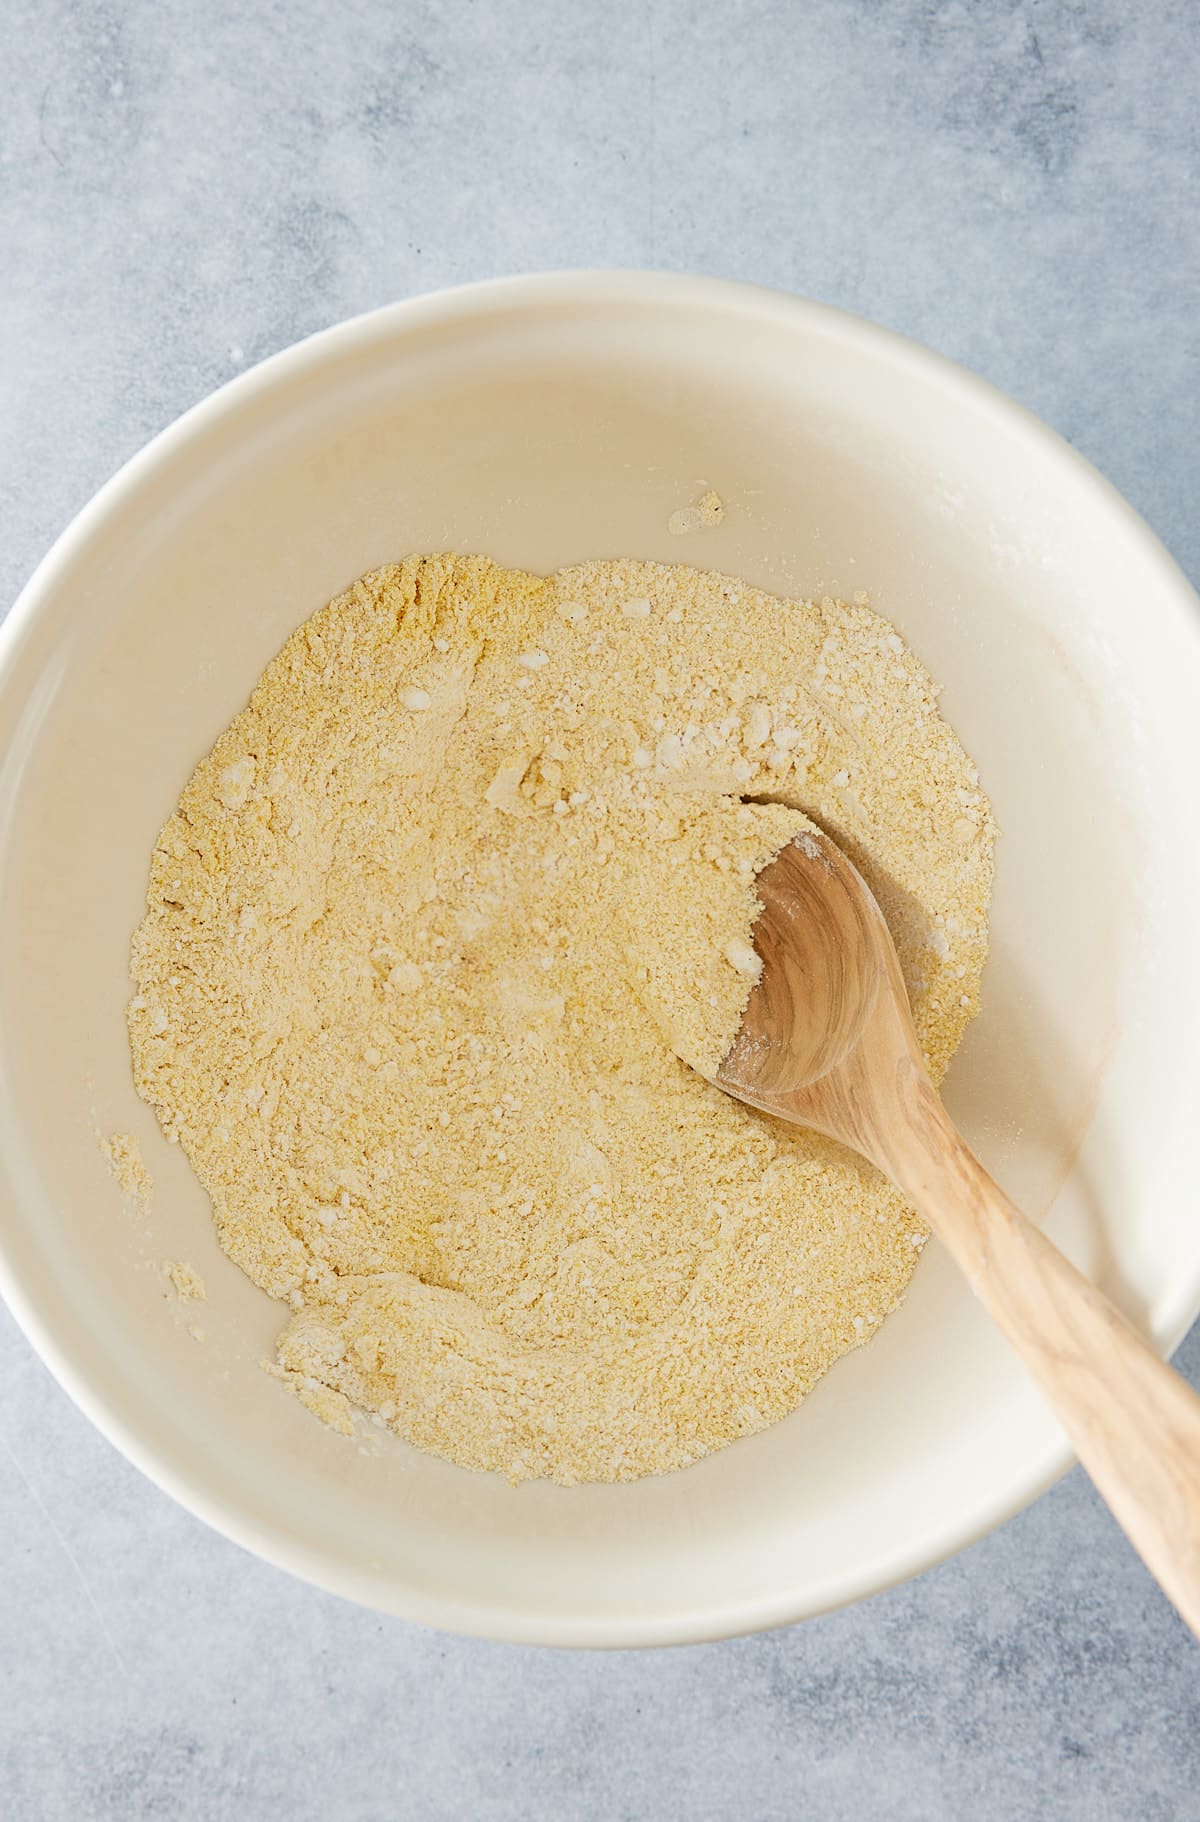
(184, 189)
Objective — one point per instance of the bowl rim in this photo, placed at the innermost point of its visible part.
(747, 303)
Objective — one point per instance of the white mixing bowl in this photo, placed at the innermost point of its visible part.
(547, 420)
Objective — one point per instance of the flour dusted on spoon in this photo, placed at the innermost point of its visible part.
(423, 938)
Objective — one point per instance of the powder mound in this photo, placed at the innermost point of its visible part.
(426, 940)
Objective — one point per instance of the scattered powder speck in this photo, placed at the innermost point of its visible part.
(426, 940)
(125, 1160)
(185, 1280)
(708, 511)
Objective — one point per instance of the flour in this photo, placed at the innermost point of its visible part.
(422, 942)
(708, 511)
(127, 1165)
(184, 1280)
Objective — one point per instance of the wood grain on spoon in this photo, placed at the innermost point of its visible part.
(827, 1042)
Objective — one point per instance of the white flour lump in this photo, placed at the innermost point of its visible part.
(422, 939)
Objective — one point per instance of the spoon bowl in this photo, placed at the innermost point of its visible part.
(823, 970)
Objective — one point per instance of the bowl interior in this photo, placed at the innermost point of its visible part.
(545, 423)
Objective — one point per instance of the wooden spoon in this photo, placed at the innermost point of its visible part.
(826, 1041)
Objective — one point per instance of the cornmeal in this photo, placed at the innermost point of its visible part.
(184, 1280)
(427, 943)
(127, 1165)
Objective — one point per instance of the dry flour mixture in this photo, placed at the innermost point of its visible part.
(423, 939)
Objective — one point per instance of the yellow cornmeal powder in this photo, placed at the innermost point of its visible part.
(127, 1165)
(184, 1280)
(423, 938)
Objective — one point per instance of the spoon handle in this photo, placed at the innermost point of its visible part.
(1134, 1422)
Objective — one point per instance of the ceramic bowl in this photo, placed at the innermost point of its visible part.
(547, 420)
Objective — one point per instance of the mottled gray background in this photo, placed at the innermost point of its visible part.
(186, 187)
